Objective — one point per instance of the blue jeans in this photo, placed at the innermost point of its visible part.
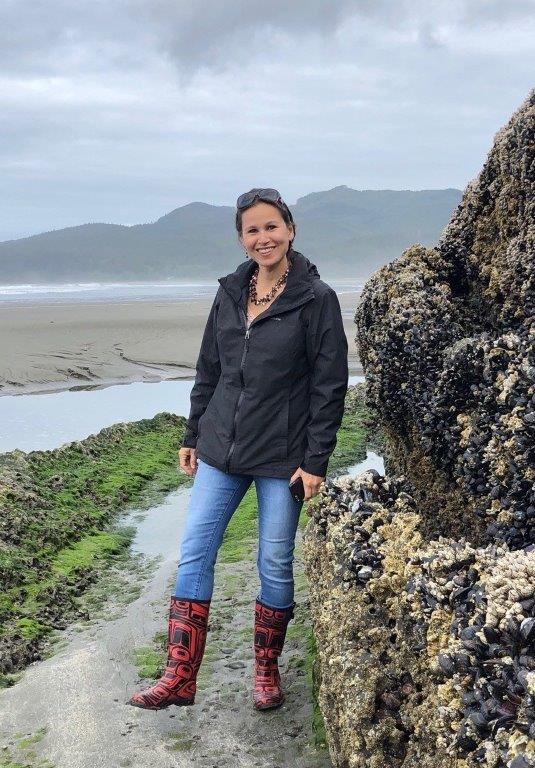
(214, 498)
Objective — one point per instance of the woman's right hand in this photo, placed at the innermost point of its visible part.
(188, 460)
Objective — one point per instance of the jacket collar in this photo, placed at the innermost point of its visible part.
(299, 284)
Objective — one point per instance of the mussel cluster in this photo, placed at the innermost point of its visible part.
(490, 654)
(424, 613)
(423, 585)
(363, 559)
(446, 337)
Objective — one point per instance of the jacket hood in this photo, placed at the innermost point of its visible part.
(299, 284)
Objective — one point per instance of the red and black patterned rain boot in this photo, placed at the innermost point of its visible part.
(269, 636)
(188, 622)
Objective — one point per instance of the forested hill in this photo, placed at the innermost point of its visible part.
(346, 231)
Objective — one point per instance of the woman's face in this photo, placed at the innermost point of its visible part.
(265, 234)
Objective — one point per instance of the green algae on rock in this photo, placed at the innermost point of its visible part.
(54, 508)
(423, 582)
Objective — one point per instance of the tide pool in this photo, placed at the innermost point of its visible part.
(46, 421)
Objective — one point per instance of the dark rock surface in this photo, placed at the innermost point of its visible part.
(446, 340)
(423, 582)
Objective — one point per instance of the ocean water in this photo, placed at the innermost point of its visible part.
(69, 293)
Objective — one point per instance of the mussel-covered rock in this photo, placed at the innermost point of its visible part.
(446, 337)
(422, 584)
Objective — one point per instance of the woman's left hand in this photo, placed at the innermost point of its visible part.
(311, 483)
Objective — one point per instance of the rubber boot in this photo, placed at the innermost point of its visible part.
(188, 622)
(269, 636)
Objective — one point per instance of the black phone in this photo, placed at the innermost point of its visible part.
(297, 489)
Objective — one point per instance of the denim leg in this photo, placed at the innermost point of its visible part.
(215, 495)
(278, 515)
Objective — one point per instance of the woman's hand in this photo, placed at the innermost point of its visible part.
(188, 460)
(311, 483)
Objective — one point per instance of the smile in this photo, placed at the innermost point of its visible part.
(265, 250)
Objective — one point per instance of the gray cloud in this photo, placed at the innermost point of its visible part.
(201, 34)
(220, 34)
(46, 37)
(43, 38)
(496, 11)
(122, 110)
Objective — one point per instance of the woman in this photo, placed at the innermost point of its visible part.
(267, 402)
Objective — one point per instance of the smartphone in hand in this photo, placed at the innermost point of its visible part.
(297, 489)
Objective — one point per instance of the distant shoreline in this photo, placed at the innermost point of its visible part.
(55, 347)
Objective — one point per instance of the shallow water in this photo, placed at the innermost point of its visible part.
(46, 421)
(158, 530)
(372, 461)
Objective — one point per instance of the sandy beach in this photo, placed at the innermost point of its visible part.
(45, 348)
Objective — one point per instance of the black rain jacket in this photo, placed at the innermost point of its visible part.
(270, 399)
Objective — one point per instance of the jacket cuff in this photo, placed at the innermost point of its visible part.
(189, 440)
(316, 465)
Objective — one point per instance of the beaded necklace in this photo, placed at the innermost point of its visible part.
(267, 298)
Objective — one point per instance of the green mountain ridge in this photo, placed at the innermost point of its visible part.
(337, 229)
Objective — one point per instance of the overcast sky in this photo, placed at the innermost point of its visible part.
(121, 110)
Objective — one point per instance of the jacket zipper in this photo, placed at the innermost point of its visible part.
(242, 363)
(242, 391)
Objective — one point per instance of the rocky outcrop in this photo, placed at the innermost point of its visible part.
(446, 339)
(422, 583)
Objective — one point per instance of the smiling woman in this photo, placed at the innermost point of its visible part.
(267, 230)
(266, 405)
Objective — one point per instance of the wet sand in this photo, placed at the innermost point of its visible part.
(46, 348)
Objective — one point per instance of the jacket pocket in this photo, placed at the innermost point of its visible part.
(279, 435)
(275, 432)
(214, 428)
(284, 418)
(262, 430)
(199, 427)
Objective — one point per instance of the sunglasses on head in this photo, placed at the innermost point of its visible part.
(265, 195)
